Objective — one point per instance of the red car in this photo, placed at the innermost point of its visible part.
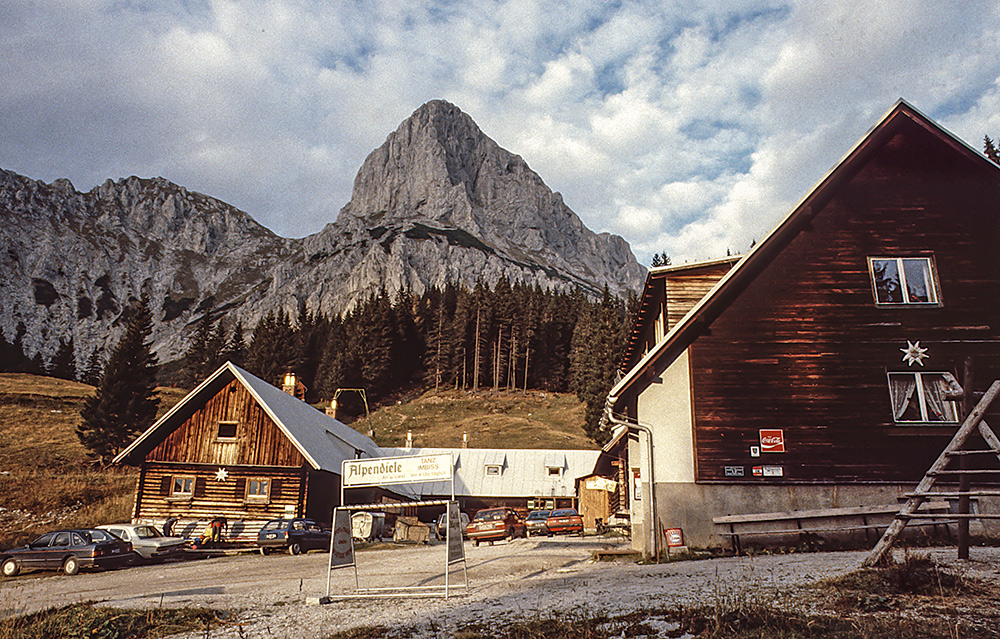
(494, 524)
(564, 520)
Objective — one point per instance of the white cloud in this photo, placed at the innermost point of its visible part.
(688, 129)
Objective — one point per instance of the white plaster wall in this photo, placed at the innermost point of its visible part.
(665, 406)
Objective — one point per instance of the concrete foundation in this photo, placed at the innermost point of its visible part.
(691, 507)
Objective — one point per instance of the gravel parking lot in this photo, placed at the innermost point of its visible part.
(509, 579)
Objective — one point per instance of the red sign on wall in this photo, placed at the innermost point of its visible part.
(772, 441)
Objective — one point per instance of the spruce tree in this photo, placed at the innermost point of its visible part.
(63, 363)
(125, 401)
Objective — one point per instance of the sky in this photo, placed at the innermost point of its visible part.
(689, 129)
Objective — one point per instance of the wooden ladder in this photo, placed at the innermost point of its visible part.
(955, 450)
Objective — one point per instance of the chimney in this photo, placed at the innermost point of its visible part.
(331, 410)
(288, 383)
(465, 440)
(409, 439)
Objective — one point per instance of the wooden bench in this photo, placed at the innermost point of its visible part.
(807, 524)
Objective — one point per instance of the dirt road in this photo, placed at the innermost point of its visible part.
(517, 579)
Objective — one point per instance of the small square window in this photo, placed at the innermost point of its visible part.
(182, 486)
(227, 430)
(922, 397)
(258, 489)
(492, 469)
(903, 280)
(554, 471)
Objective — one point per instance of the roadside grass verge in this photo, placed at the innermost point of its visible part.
(96, 622)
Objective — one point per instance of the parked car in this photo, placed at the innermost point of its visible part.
(442, 525)
(69, 550)
(494, 524)
(293, 535)
(564, 520)
(147, 542)
(535, 523)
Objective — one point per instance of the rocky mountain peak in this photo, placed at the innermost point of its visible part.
(438, 202)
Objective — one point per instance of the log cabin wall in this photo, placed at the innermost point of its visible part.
(212, 497)
(257, 442)
(806, 349)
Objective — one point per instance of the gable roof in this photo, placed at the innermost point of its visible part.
(323, 441)
(523, 473)
(701, 316)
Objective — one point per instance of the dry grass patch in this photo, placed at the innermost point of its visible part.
(95, 622)
(47, 478)
(505, 419)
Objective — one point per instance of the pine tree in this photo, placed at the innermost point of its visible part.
(125, 401)
(63, 363)
(990, 149)
(91, 374)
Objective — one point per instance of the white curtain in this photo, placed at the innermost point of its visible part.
(901, 389)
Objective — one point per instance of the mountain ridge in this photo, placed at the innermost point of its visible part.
(437, 202)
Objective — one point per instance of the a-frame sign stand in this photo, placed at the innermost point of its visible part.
(955, 451)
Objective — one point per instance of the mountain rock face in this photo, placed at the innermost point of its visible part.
(439, 201)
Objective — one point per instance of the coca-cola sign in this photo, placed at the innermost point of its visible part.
(772, 441)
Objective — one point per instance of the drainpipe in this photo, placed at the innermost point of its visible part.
(611, 418)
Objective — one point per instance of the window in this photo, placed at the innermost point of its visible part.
(182, 486)
(903, 280)
(227, 430)
(258, 490)
(492, 469)
(554, 471)
(922, 397)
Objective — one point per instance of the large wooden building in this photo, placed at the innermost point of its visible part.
(823, 370)
(239, 448)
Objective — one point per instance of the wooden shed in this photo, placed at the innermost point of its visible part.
(822, 370)
(239, 448)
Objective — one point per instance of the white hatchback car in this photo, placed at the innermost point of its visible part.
(147, 541)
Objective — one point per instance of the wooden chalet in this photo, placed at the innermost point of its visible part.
(827, 368)
(240, 448)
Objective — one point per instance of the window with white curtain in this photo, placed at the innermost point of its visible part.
(922, 397)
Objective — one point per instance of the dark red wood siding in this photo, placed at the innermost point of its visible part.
(804, 348)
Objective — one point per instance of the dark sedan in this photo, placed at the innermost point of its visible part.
(293, 535)
(69, 550)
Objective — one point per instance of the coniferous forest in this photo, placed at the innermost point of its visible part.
(508, 337)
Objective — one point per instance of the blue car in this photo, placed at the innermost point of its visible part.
(292, 535)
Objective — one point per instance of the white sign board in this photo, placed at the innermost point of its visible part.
(397, 470)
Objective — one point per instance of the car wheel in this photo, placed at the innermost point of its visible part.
(10, 568)
(71, 566)
(263, 551)
(294, 549)
(475, 542)
(526, 533)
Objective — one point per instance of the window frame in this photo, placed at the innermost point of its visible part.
(258, 497)
(226, 438)
(920, 391)
(175, 494)
(493, 470)
(933, 284)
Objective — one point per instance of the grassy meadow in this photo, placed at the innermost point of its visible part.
(48, 480)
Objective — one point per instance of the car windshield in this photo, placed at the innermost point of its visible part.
(538, 514)
(146, 532)
(279, 524)
(563, 513)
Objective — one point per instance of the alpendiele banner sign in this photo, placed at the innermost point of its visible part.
(397, 470)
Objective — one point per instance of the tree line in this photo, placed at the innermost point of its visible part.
(504, 337)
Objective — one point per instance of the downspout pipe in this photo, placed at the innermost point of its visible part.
(609, 417)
